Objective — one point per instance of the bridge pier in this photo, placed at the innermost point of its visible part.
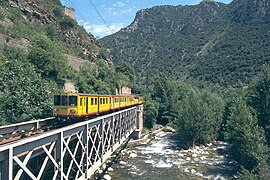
(139, 125)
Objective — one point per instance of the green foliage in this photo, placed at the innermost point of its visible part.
(52, 32)
(246, 136)
(259, 99)
(47, 59)
(200, 116)
(191, 44)
(88, 82)
(150, 114)
(58, 12)
(23, 94)
(244, 174)
(127, 70)
(67, 23)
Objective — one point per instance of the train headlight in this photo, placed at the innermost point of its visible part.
(73, 111)
(55, 110)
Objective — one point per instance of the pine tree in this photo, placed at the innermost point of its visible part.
(260, 99)
(247, 138)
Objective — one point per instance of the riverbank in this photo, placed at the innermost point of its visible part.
(160, 156)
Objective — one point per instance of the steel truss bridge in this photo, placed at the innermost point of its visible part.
(71, 152)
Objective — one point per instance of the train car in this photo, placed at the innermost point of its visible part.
(115, 102)
(104, 103)
(75, 105)
(122, 100)
(129, 100)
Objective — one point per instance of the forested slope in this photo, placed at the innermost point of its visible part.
(208, 43)
(40, 50)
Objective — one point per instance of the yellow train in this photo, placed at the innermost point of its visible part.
(80, 105)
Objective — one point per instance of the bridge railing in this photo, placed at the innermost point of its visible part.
(71, 152)
(29, 125)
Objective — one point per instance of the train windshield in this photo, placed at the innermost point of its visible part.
(64, 100)
(56, 100)
(73, 100)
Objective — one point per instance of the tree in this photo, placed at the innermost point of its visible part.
(47, 59)
(24, 95)
(127, 70)
(259, 99)
(150, 114)
(199, 117)
(246, 137)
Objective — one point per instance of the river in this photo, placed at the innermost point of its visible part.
(162, 158)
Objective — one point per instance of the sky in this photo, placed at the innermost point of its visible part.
(105, 17)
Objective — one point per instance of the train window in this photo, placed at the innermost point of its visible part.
(95, 101)
(92, 101)
(100, 100)
(106, 100)
(72, 100)
(103, 100)
(80, 101)
(64, 100)
(56, 100)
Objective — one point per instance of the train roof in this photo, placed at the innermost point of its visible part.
(85, 94)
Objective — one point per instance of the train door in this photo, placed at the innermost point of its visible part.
(86, 102)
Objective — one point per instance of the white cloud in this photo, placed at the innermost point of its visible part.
(101, 30)
(124, 11)
(119, 4)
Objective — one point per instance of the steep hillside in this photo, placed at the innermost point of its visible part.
(41, 49)
(206, 43)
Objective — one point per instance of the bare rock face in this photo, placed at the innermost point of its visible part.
(69, 87)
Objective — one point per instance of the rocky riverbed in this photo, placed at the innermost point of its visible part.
(163, 158)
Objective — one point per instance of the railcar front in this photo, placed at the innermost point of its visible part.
(65, 105)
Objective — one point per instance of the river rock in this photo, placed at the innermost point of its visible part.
(192, 171)
(186, 170)
(107, 177)
(169, 129)
(203, 157)
(188, 159)
(110, 169)
(133, 173)
(123, 163)
(133, 155)
(209, 144)
(199, 174)
(194, 155)
(104, 166)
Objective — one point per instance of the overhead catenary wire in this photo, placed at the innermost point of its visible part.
(90, 1)
(79, 13)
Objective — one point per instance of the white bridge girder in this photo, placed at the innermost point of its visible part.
(71, 152)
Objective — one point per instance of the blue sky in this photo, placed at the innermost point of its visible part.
(116, 13)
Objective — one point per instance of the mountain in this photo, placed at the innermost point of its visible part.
(208, 43)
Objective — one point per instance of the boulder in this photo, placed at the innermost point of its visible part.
(169, 129)
(107, 177)
(122, 163)
(110, 169)
(132, 155)
(192, 171)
